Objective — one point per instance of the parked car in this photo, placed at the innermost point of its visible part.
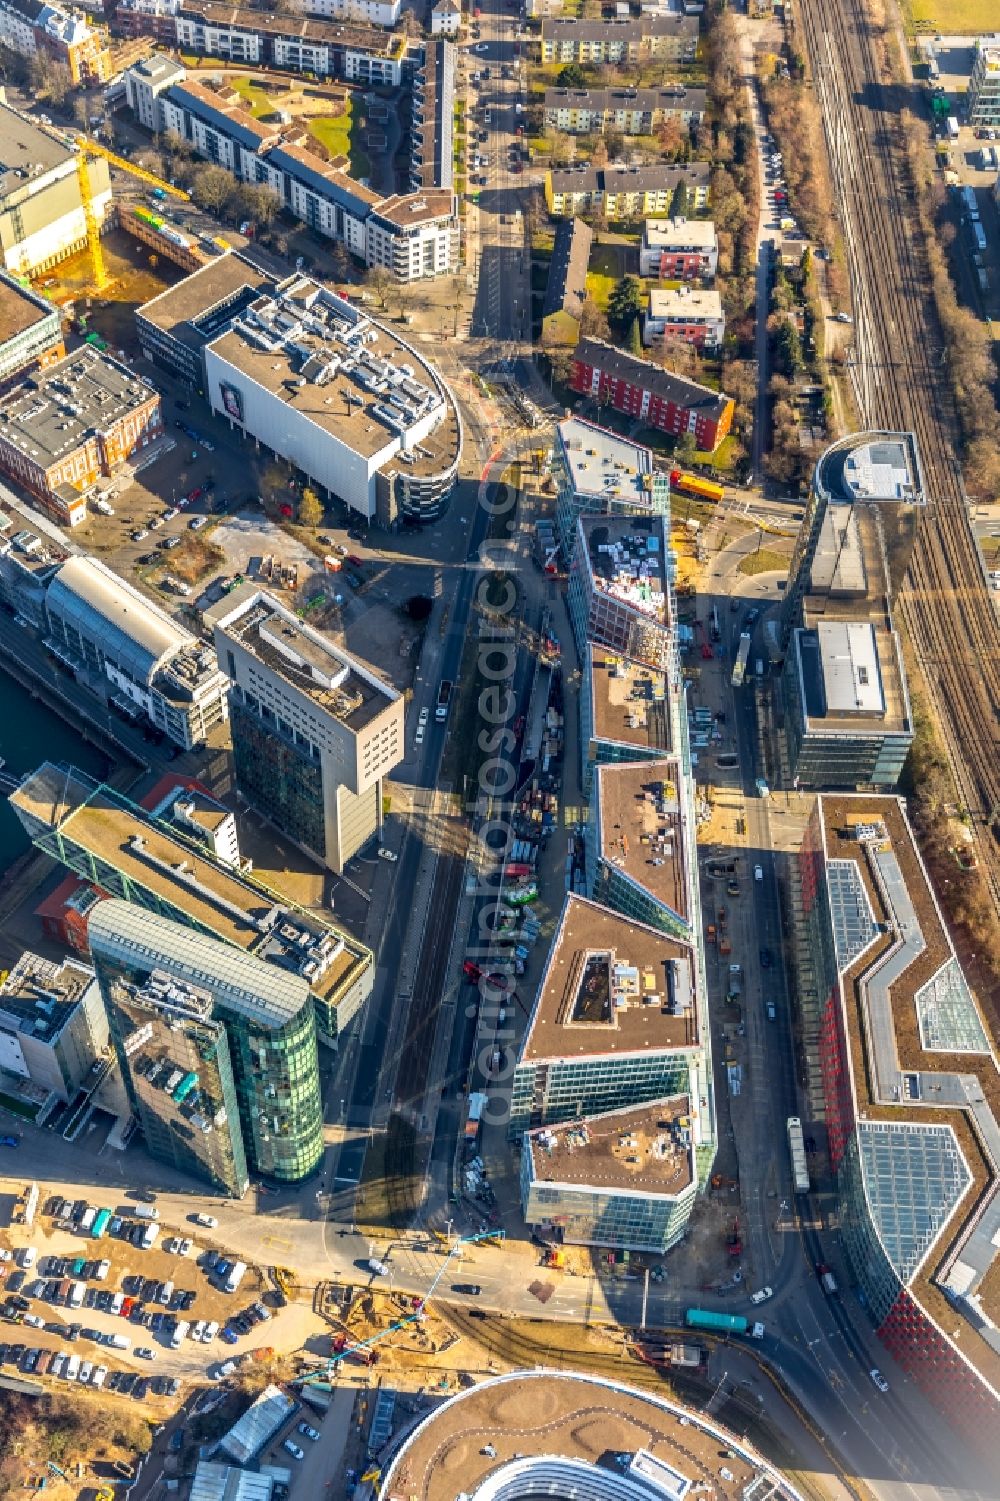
(762, 1295)
(292, 1448)
(879, 1379)
(208, 1221)
(309, 1432)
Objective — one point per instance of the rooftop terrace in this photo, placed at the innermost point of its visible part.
(627, 559)
(611, 985)
(629, 702)
(640, 827)
(646, 1148)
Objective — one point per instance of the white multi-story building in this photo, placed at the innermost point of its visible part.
(41, 211)
(198, 816)
(145, 82)
(372, 12)
(414, 235)
(695, 316)
(984, 84)
(314, 731)
(446, 18)
(679, 249)
(53, 1026)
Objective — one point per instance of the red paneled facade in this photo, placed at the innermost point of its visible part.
(650, 394)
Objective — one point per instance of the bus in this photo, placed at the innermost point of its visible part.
(740, 665)
(797, 1153)
(101, 1223)
(443, 700)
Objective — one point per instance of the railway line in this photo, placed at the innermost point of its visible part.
(944, 603)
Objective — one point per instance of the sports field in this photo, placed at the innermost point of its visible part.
(952, 17)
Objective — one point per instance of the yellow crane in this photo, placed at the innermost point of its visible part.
(85, 149)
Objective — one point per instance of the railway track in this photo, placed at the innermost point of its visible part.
(945, 603)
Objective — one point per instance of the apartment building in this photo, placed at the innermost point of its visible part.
(328, 49)
(145, 81)
(626, 193)
(679, 249)
(41, 211)
(315, 733)
(628, 111)
(134, 656)
(33, 27)
(669, 39)
(416, 236)
(217, 1050)
(446, 18)
(651, 394)
(566, 288)
(983, 99)
(184, 802)
(908, 1090)
(368, 12)
(119, 847)
(30, 330)
(696, 316)
(625, 1179)
(848, 720)
(64, 426)
(432, 149)
(598, 473)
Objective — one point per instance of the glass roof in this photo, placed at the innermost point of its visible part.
(947, 1015)
(854, 925)
(914, 1177)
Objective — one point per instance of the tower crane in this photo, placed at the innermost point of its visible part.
(86, 150)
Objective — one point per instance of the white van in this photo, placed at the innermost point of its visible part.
(77, 1293)
(99, 1377)
(236, 1276)
(87, 1221)
(28, 1257)
(119, 1342)
(101, 1274)
(117, 1302)
(147, 1211)
(180, 1334)
(71, 1370)
(148, 1239)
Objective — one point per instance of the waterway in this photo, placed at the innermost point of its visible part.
(29, 734)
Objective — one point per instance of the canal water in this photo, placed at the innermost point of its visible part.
(29, 734)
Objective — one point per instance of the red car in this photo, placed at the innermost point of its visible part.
(355, 561)
(780, 196)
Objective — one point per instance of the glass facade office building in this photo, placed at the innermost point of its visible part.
(217, 1049)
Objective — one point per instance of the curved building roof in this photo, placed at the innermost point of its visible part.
(132, 631)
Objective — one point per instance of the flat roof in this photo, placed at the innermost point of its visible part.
(641, 828)
(158, 67)
(39, 995)
(336, 682)
(924, 1073)
(698, 233)
(50, 413)
(578, 1418)
(628, 701)
(873, 466)
(220, 282)
(349, 375)
(21, 309)
(644, 1149)
(181, 872)
(685, 302)
(404, 210)
(627, 561)
(26, 146)
(611, 985)
(600, 462)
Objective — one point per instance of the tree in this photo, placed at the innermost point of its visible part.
(381, 281)
(679, 202)
(625, 301)
(572, 77)
(635, 338)
(211, 187)
(310, 508)
(671, 137)
(615, 144)
(686, 447)
(593, 324)
(418, 606)
(788, 348)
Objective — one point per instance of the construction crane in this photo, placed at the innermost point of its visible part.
(318, 1374)
(86, 149)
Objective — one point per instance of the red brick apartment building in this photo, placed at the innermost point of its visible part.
(651, 394)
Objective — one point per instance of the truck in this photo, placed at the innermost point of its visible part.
(237, 1273)
(735, 989)
(693, 484)
(443, 701)
(797, 1153)
(742, 656)
(951, 126)
(723, 1323)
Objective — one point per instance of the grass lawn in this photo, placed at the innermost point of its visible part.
(956, 17)
(600, 287)
(337, 134)
(764, 561)
(724, 456)
(256, 101)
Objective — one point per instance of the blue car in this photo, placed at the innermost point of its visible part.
(229, 1336)
(9, 1141)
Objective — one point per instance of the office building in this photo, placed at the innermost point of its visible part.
(566, 289)
(34, 28)
(983, 99)
(53, 1027)
(64, 427)
(670, 38)
(183, 801)
(128, 652)
(312, 377)
(41, 211)
(598, 473)
(679, 249)
(848, 721)
(432, 129)
(619, 587)
(105, 839)
(682, 313)
(30, 330)
(905, 1078)
(27, 562)
(314, 731)
(65, 913)
(619, 1020)
(217, 1049)
(625, 712)
(570, 1434)
(626, 111)
(624, 1180)
(651, 395)
(627, 192)
(640, 844)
